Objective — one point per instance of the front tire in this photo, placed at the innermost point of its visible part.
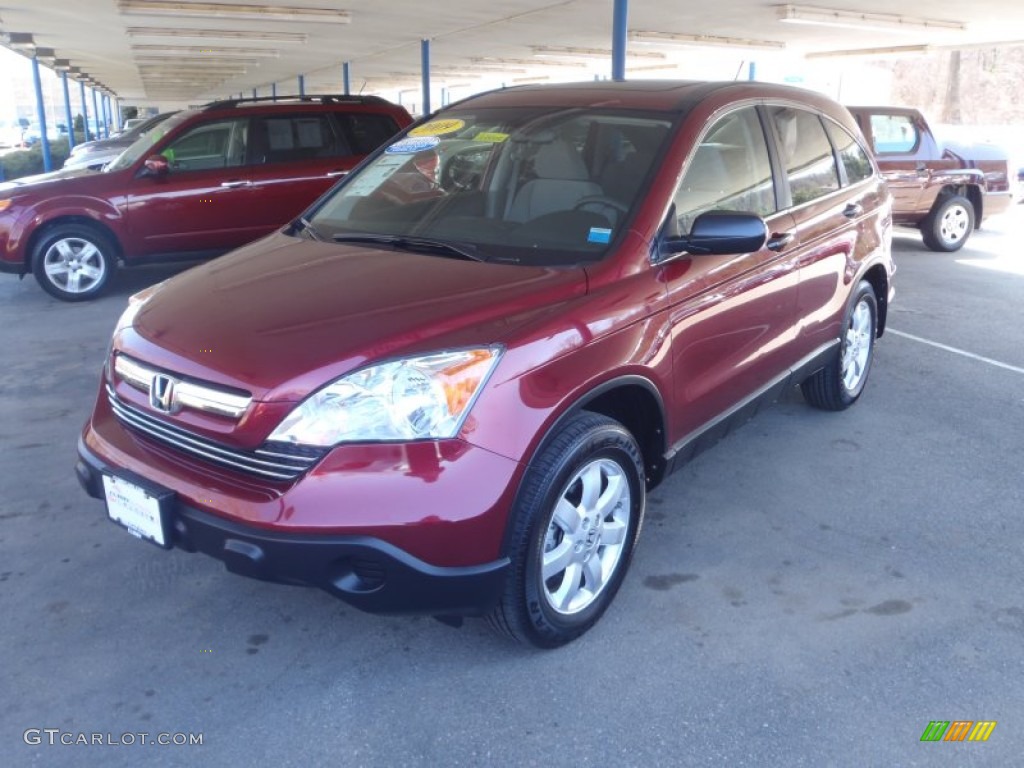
(838, 385)
(73, 262)
(947, 227)
(574, 526)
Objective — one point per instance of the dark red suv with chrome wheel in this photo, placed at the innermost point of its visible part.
(196, 185)
(448, 386)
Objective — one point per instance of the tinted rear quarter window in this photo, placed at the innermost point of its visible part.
(852, 156)
(366, 132)
(806, 154)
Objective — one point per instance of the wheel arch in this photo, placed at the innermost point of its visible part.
(636, 403)
(879, 281)
(83, 221)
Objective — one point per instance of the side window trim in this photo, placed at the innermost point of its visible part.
(783, 199)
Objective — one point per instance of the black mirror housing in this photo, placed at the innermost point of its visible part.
(720, 233)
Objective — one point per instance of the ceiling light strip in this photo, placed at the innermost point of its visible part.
(180, 8)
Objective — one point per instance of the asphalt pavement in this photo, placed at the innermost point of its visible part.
(814, 591)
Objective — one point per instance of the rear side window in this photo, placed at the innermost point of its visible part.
(852, 156)
(294, 138)
(806, 154)
(366, 132)
(894, 134)
(729, 170)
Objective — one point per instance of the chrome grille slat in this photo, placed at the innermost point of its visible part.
(188, 394)
(262, 462)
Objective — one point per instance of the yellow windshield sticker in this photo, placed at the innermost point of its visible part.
(494, 138)
(438, 128)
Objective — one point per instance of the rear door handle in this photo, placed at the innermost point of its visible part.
(236, 183)
(335, 174)
(778, 241)
(853, 210)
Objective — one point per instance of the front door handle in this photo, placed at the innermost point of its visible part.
(335, 174)
(853, 210)
(778, 241)
(236, 183)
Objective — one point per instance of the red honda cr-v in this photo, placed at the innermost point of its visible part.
(196, 185)
(449, 385)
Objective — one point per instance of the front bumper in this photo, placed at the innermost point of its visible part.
(365, 571)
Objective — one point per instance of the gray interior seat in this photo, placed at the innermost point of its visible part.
(562, 182)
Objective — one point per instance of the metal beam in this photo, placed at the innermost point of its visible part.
(425, 66)
(41, 116)
(621, 13)
(85, 110)
(345, 79)
(67, 111)
(96, 113)
(302, 85)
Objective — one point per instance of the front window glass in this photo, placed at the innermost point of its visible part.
(520, 185)
(217, 144)
(806, 154)
(729, 171)
(143, 145)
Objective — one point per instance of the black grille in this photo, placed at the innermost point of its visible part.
(276, 461)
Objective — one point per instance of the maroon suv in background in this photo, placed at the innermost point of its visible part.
(199, 184)
(449, 385)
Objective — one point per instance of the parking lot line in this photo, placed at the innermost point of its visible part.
(955, 351)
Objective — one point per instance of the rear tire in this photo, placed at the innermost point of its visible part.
(74, 262)
(838, 385)
(948, 226)
(575, 523)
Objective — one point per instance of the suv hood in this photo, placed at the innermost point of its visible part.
(43, 181)
(282, 317)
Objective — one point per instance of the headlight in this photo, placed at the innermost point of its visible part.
(410, 399)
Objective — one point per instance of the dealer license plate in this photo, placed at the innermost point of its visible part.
(138, 510)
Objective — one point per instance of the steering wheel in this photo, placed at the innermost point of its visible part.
(601, 204)
(462, 172)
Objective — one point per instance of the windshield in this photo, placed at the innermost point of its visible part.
(549, 186)
(142, 145)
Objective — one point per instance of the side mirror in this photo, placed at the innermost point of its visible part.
(720, 233)
(157, 165)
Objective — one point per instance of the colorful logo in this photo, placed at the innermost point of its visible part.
(958, 730)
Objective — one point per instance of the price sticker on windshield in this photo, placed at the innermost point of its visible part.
(438, 127)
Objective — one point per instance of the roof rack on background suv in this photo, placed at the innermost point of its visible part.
(319, 98)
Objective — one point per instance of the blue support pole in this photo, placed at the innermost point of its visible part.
(302, 85)
(254, 93)
(41, 116)
(85, 110)
(425, 66)
(67, 111)
(619, 40)
(345, 78)
(273, 91)
(116, 106)
(96, 113)
(752, 71)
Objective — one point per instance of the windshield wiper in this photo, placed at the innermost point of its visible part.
(416, 244)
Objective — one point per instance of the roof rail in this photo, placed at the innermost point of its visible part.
(319, 98)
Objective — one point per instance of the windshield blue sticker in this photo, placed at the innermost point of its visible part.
(599, 235)
(409, 146)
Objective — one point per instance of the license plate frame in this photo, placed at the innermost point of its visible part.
(141, 508)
